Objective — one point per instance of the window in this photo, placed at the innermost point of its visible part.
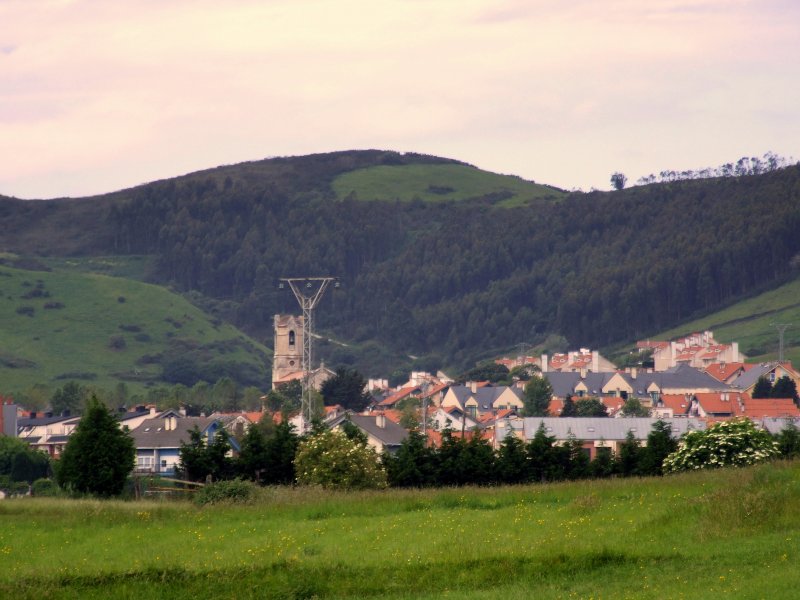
(291, 338)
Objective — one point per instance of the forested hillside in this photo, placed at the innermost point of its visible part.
(447, 279)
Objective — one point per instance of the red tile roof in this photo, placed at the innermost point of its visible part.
(397, 396)
(759, 408)
(724, 371)
(677, 402)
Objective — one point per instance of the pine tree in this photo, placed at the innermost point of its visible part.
(660, 444)
(99, 455)
(785, 387)
(627, 463)
(762, 389)
(569, 409)
(538, 393)
(512, 460)
(414, 465)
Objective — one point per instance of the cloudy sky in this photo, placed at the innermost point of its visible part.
(99, 95)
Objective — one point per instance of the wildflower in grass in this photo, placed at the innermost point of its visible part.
(728, 443)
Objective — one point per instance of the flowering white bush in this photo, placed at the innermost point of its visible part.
(727, 443)
(332, 460)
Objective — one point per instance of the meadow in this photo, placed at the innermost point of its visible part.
(751, 322)
(73, 324)
(728, 533)
(438, 183)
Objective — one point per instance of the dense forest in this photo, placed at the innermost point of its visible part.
(448, 280)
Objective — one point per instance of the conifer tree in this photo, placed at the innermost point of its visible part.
(99, 455)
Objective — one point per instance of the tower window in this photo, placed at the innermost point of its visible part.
(291, 338)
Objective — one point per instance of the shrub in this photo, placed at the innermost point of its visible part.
(727, 443)
(53, 305)
(117, 342)
(235, 491)
(46, 488)
(28, 311)
(332, 460)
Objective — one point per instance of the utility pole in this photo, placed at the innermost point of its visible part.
(781, 327)
(308, 291)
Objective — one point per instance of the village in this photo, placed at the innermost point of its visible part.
(690, 383)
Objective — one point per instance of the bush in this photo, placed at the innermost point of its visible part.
(727, 443)
(332, 460)
(117, 342)
(235, 491)
(45, 488)
(26, 310)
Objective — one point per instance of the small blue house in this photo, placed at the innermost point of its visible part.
(158, 440)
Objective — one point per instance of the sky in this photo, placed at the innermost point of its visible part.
(101, 95)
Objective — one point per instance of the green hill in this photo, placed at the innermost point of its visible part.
(66, 325)
(752, 322)
(480, 263)
(438, 183)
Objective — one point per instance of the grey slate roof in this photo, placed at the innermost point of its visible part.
(389, 435)
(484, 396)
(682, 376)
(749, 377)
(152, 433)
(605, 428)
(776, 424)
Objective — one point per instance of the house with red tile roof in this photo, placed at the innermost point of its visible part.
(726, 372)
(403, 393)
(697, 350)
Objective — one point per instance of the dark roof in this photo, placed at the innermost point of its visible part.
(485, 396)
(389, 435)
(152, 433)
(750, 377)
(57, 439)
(37, 421)
(682, 376)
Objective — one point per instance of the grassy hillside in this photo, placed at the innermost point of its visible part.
(65, 324)
(751, 323)
(730, 533)
(437, 183)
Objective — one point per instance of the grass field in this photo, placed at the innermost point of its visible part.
(437, 183)
(730, 533)
(67, 324)
(751, 323)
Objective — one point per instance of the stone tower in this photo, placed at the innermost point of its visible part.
(288, 348)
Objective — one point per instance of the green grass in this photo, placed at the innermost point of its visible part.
(437, 183)
(71, 340)
(130, 267)
(751, 323)
(701, 535)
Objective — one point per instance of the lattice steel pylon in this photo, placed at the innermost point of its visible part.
(781, 327)
(308, 291)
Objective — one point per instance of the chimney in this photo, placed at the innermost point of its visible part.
(32, 414)
(634, 372)
(182, 411)
(595, 361)
(583, 373)
(544, 363)
(473, 387)
(735, 357)
(380, 420)
(153, 411)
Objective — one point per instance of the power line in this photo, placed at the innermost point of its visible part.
(781, 327)
(308, 291)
